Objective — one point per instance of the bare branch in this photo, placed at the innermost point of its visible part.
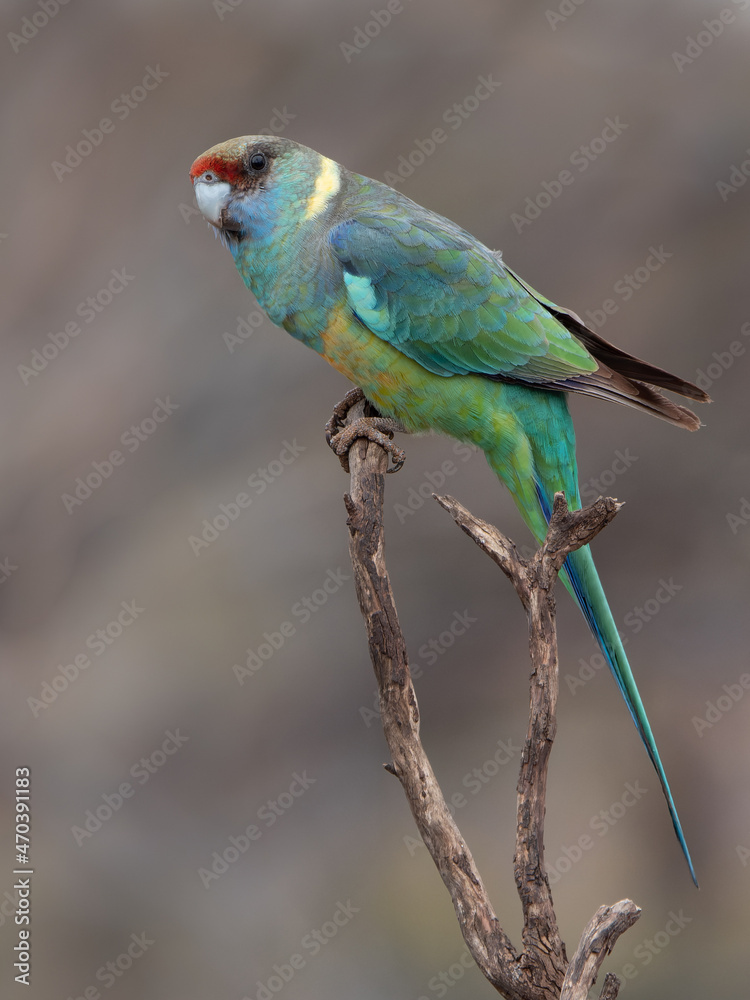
(541, 971)
(611, 987)
(597, 941)
(533, 580)
(488, 944)
(499, 548)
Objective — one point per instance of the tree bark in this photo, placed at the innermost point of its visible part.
(541, 970)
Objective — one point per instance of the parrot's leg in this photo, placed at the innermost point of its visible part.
(378, 429)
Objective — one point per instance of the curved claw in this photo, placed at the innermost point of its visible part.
(380, 430)
(369, 428)
(335, 422)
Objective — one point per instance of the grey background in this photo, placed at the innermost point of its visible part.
(128, 205)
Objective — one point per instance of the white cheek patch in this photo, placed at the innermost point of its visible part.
(212, 199)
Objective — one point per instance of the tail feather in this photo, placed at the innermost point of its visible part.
(580, 577)
(535, 463)
(612, 357)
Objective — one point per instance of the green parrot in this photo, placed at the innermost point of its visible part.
(438, 332)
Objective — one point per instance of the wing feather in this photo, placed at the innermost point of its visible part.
(429, 288)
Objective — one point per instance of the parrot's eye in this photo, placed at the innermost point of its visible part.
(258, 161)
(209, 176)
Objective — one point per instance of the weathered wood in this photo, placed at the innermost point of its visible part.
(541, 971)
(611, 987)
(597, 941)
(533, 580)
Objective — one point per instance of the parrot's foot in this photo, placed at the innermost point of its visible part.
(340, 411)
(378, 429)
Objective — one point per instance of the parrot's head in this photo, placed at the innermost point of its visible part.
(259, 186)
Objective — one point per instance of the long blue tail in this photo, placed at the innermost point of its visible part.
(581, 579)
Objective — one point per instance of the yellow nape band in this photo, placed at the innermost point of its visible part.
(327, 184)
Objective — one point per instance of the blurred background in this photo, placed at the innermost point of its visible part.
(210, 813)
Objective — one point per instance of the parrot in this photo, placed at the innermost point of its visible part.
(438, 333)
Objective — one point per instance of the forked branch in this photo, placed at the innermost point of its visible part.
(541, 971)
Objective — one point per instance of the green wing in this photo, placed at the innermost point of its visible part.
(444, 300)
